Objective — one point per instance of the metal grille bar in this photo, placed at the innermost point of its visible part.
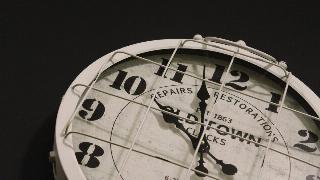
(277, 117)
(148, 109)
(210, 101)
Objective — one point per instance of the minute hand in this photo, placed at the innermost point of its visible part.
(203, 95)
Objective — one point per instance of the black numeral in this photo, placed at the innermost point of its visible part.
(311, 138)
(128, 83)
(161, 68)
(177, 77)
(218, 72)
(243, 77)
(95, 151)
(312, 177)
(93, 107)
(275, 98)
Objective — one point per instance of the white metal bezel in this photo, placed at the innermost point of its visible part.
(65, 153)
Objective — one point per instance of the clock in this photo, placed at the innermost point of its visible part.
(176, 109)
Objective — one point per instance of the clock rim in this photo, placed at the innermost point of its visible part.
(65, 158)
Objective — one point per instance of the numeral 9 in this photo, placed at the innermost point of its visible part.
(93, 107)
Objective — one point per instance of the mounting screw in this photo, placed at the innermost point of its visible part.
(241, 42)
(198, 37)
(283, 64)
(52, 159)
(52, 156)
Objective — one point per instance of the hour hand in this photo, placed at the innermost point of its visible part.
(169, 118)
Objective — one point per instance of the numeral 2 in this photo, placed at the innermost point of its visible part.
(312, 177)
(243, 77)
(312, 138)
(94, 152)
(218, 72)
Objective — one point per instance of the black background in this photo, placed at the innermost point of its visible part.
(45, 45)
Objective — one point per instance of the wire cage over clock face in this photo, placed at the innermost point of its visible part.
(193, 114)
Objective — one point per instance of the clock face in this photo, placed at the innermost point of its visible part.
(135, 124)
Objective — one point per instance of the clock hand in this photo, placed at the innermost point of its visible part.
(228, 169)
(204, 147)
(203, 95)
(168, 118)
(201, 167)
(194, 140)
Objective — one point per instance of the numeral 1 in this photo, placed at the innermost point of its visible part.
(217, 74)
(275, 98)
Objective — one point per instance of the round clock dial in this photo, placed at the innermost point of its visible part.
(192, 114)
